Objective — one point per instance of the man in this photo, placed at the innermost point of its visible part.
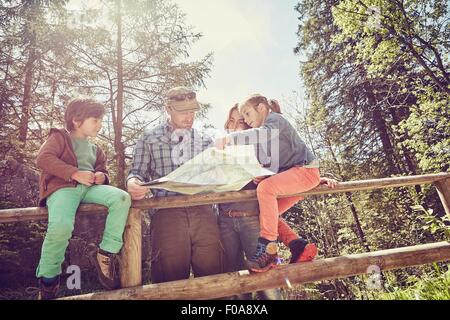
(181, 237)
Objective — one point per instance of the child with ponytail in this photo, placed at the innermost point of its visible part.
(297, 171)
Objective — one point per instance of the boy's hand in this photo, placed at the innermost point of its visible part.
(137, 191)
(99, 178)
(331, 183)
(84, 177)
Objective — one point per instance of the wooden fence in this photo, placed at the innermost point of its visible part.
(233, 283)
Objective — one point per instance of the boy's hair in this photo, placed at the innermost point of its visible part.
(256, 99)
(81, 109)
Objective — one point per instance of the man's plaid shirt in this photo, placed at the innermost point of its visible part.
(161, 150)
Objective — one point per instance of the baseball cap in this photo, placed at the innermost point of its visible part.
(182, 99)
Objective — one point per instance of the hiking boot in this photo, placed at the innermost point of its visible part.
(302, 251)
(107, 266)
(266, 256)
(48, 291)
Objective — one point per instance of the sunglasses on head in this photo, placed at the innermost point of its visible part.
(183, 96)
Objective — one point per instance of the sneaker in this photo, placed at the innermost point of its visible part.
(48, 291)
(266, 256)
(302, 251)
(106, 265)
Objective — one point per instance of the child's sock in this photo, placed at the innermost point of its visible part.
(103, 252)
(264, 241)
(302, 251)
(49, 281)
(297, 246)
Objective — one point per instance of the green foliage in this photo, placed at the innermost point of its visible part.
(438, 226)
(76, 54)
(433, 286)
(20, 246)
(376, 74)
(427, 133)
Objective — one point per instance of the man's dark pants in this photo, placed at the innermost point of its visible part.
(185, 237)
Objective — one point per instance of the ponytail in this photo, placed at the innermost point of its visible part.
(274, 106)
(256, 99)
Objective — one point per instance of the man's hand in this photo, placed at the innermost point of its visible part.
(136, 191)
(331, 183)
(257, 180)
(84, 177)
(99, 178)
(220, 143)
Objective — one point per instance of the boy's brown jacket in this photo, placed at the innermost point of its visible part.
(58, 162)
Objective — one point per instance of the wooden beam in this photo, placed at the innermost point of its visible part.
(238, 196)
(41, 213)
(443, 189)
(131, 253)
(25, 214)
(229, 284)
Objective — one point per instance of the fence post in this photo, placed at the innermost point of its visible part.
(131, 255)
(443, 189)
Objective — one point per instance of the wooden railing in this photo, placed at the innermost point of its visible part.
(228, 284)
(233, 283)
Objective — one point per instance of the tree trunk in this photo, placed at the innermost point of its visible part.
(360, 233)
(407, 157)
(23, 128)
(383, 133)
(31, 10)
(118, 123)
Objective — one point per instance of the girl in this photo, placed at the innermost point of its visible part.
(297, 172)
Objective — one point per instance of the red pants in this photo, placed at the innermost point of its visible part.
(285, 233)
(294, 180)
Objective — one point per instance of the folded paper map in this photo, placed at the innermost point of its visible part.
(214, 170)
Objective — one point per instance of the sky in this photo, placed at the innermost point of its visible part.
(252, 42)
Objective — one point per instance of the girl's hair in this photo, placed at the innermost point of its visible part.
(234, 108)
(81, 109)
(256, 99)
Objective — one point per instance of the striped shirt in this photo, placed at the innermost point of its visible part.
(161, 150)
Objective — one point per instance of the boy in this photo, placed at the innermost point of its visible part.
(74, 172)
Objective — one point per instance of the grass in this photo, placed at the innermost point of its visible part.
(433, 287)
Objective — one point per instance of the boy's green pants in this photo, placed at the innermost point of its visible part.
(62, 207)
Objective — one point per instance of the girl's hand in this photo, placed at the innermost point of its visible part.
(331, 183)
(99, 178)
(84, 177)
(220, 143)
(257, 180)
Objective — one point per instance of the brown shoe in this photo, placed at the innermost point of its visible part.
(48, 292)
(107, 265)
